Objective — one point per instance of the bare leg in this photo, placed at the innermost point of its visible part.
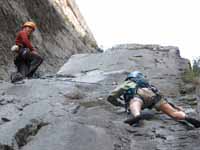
(172, 112)
(135, 107)
(178, 115)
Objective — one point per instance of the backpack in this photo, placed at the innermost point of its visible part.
(144, 90)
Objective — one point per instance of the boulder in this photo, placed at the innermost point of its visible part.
(163, 66)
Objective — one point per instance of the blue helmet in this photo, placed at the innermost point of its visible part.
(139, 78)
(136, 74)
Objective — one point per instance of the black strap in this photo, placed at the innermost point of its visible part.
(127, 96)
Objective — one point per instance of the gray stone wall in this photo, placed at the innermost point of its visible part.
(163, 66)
(56, 37)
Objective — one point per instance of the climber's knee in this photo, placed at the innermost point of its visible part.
(178, 115)
(136, 106)
(172, 112)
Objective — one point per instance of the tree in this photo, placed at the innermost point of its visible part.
(196, 67)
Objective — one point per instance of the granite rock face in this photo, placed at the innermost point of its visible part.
(69, 8)
(59, 34)
(163, 66)
(70, 111)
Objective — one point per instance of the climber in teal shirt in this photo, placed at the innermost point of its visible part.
(138, 94)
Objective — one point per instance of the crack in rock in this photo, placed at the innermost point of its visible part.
(24, 135)
(5, 147)
(4, 100)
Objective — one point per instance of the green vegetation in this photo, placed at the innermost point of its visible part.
(193, 75)
(93, 44)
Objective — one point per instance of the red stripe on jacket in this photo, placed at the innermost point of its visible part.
(24, 40)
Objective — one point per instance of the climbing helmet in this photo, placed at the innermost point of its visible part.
(30, 24)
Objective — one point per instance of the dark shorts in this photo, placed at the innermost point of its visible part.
(153, 103)
(27, 62)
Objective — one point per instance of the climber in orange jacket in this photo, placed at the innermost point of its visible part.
(27, 60)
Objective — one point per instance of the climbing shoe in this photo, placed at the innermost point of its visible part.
(114, 101)
(133, 120)
(16, 77)
(194, 122)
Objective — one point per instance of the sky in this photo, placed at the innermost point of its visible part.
(163, 22)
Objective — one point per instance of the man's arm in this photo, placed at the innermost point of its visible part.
(26, 41)
(119, 91)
